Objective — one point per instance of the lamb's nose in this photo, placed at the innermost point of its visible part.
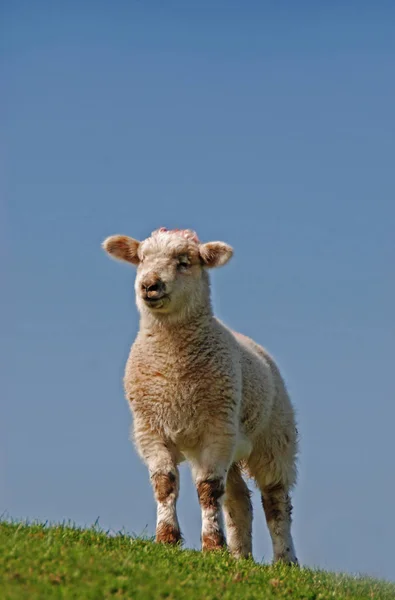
(153, 289)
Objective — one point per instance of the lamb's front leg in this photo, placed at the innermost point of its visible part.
(166, 486)
(210, 469)
(165, 482)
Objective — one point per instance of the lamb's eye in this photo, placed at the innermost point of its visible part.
(183, 262)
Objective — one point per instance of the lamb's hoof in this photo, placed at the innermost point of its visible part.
(237, 555)
(214, 541)
(167, 534)
(286, 559)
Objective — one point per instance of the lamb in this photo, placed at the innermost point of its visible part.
(203, 393)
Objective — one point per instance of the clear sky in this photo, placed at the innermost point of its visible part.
(268, 125)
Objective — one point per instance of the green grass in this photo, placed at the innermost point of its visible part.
(39, 562)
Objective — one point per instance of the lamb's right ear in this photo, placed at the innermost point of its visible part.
(215, 254)
(122, 247)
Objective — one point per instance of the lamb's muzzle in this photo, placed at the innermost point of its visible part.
(153, 291)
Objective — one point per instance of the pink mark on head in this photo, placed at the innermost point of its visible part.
(187, 234)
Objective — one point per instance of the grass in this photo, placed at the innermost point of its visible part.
(39, 562)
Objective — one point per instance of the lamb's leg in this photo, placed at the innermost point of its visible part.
(166, 486)
(278, 508)
(210, 468)
(165, 482)
(238, 514)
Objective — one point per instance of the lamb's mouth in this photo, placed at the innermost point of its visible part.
(156, 302)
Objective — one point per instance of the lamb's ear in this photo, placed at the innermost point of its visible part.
(122, 247)
(215, 254)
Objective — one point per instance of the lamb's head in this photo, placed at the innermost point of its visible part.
(171, 269)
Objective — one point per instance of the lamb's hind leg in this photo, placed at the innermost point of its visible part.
(278, 508)
(238, 514)
(274, 471)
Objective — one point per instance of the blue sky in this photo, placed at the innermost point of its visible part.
(268, 125)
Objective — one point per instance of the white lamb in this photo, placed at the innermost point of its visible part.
(200, 392)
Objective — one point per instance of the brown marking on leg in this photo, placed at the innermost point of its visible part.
(274, 502)
(213, 541)
(209, 492)
(167, 534)
(278, 510)
(164, 485)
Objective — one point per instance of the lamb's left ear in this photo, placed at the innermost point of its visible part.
(215, 254)
(122, 247)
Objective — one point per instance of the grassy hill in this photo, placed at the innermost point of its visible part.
(39, 562)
